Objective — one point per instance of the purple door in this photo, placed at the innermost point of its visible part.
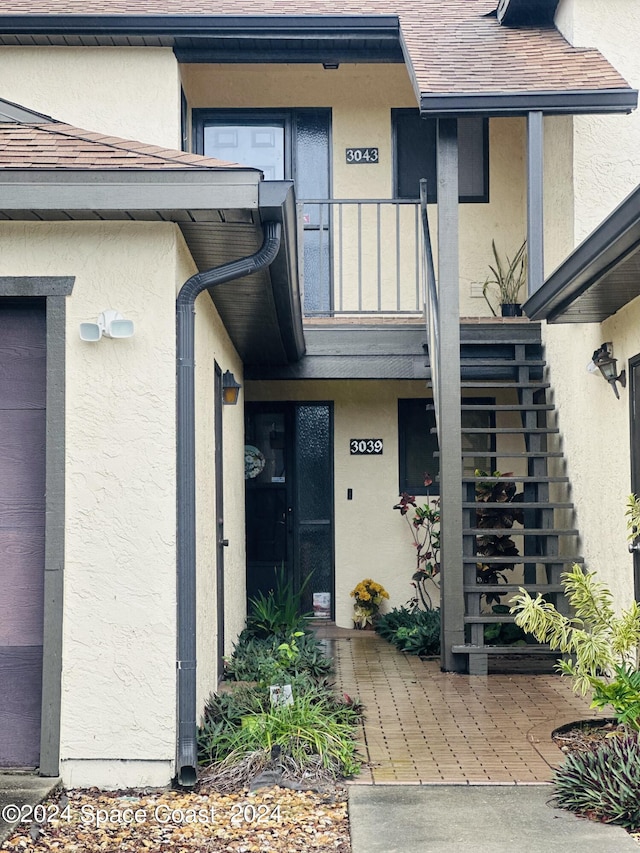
(22, 493)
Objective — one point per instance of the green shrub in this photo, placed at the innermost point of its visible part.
(280, 611)
(505, 633)
(259, 659)
(603, 645)
(416, 632)
(604, 784)
(316, 726)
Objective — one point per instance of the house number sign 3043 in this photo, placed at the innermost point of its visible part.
(362, 155)
(365, 446)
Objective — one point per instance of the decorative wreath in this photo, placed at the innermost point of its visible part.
(254, 462)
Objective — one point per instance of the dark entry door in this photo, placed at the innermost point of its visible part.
(289, 497)
(22, 493)
(634, 403)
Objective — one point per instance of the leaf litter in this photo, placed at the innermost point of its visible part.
(269, 820)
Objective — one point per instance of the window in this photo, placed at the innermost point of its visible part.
(418, 446)
(414, 142)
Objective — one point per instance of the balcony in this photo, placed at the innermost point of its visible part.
(361, 257)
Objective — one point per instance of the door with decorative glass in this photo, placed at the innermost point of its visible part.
(289, 498)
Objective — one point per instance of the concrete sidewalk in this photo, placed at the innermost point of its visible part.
(473, 819)
(18, 791)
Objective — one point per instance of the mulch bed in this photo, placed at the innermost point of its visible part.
(273, 820)
(585, 736)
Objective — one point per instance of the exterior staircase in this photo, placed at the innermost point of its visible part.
(509, 426)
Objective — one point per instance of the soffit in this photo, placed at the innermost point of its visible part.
(600, 277)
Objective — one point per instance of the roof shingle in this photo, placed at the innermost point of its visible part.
(53, 145)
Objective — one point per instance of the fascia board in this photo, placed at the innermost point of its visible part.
(606, 247)
(203, 26)
(121, 190)
(574, 102)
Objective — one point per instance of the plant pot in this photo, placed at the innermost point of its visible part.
(511, 309)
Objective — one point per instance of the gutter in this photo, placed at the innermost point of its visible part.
(187, 752)
(566, 102)
(204, 26)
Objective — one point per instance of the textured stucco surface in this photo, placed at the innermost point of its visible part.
(119, 698)
(607, 148)
(606, 167)
(589, 418)
(133, 93)
(558, 190)
(359, 119)
(214, 346)
(118, 679)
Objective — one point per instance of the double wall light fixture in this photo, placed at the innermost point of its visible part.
(230, 388)
(110, 323)
(603, 360)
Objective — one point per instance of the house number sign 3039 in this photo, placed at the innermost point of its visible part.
(365, 446)
(362, 155)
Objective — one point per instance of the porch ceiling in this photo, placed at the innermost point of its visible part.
(599, 277)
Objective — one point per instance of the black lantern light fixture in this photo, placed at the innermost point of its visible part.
(608, 366)
(230, 389)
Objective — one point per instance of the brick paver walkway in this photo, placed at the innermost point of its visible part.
(424, 726)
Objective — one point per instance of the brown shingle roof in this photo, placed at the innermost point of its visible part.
(53, 145)
(453, 46)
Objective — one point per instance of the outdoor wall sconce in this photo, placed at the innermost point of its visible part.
(110, 323)
(607, 365)
(230, 389)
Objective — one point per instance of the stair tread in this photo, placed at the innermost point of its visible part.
(479, 384)
(508, 430)
(519, 505)
(470, 361)
(498, 454)
(505, 407)
(489, 619)
(515, 478)
(519, 531)
(514, 454)
(481, 588)
(517, 559)
(529, 649)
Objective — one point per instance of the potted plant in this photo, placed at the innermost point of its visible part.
(506, 281)
(368, 595)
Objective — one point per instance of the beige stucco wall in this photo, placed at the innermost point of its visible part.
(607, 148)
(213, 345)
(118, 679)
(361, 98)
(129, 92)
(558, 190)
(605, 153)
(595, 438)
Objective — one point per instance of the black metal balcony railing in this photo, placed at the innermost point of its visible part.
(362, 256)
